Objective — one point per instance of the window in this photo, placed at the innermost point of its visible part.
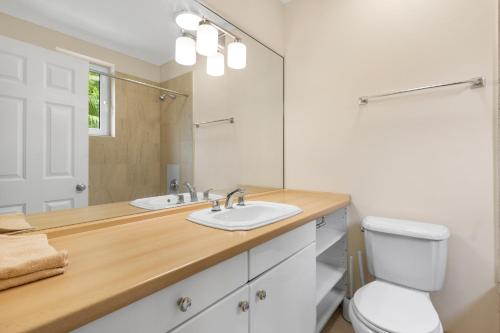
(99, 101)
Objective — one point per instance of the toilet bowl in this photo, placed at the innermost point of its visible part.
(408, 260)
(382, 307)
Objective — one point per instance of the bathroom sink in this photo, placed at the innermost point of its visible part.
(253, 215)
(170, 201)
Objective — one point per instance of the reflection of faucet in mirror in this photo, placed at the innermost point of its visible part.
(229, 197)
(174, 186)
(206, 194)
(192, 191)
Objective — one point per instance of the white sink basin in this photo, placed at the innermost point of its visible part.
(253, 215)
(170, 201)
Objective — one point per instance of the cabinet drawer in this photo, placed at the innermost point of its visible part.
(159, 312)
(224, 316)
(269, 254)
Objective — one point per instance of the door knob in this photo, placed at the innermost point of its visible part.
(244, 306)
(261, 294)
(184, 303)
(81, 187)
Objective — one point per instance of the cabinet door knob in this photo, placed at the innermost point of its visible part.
(184, 303)
(244, 306)
(261, 294)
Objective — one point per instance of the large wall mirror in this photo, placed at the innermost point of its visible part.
(106, 108)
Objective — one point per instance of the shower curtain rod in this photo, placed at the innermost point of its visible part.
(141, 83)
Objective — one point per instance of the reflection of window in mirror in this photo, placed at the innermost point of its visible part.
(101, 95)
(99, 89)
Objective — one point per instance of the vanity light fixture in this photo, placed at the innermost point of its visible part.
(207, 44)
(188, 21)
(236, 55)
(215, 64)
(207, 39)
(185, 50)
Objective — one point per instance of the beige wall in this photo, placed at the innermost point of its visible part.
(263, 19)
(127, 166)
(249, 152)
(34, 34)
(426, 156)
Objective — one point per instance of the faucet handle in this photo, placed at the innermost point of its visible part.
(206, 194)
(180, 198)
(241, 199)
(174, 186)
(215, 206)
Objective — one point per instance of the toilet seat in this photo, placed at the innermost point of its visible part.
(387, 308)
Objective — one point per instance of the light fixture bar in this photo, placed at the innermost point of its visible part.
(221, 47)
(221, 29)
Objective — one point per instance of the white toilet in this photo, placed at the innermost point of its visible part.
(408, 260)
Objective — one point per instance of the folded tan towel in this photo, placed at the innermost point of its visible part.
(13, 222)
(23, 279)
(23, 255)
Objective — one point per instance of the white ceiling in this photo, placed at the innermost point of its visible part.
(142, 29)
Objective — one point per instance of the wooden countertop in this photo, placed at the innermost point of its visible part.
(114, 266)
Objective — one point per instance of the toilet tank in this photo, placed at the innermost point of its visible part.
(408, 253)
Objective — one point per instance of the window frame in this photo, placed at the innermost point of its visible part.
(105, 100)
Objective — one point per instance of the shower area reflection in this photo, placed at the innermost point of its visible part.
(134, 162)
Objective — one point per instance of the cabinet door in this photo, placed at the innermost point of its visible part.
(225, 316)
(283, 299)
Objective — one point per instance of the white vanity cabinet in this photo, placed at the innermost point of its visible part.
(271, 288)
(280, 299)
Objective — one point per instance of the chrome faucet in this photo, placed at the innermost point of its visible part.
(229, 197)
(192, 191)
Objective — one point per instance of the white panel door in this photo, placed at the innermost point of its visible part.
(43, 128)
(225, 316)
(284, 298)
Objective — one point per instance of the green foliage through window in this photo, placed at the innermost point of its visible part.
(94, 100)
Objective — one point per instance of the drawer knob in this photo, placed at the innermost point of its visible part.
(244, 306)
(184, 303)
(261, 294)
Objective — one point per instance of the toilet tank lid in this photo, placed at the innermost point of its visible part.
(406, 228)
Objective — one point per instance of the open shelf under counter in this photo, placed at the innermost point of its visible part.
(331, 264)
(327, 306)
(326, 238)
(327, 276)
